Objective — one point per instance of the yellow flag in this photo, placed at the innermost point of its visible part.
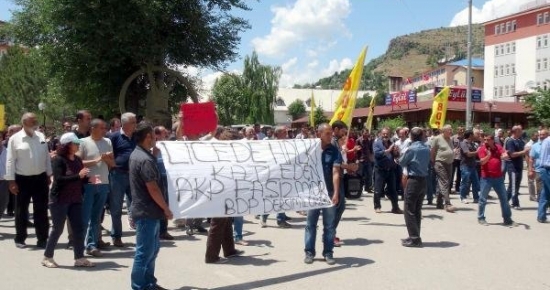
(439, 108)
(312, 107)
(2, 116)
(368, 124)
(346, 101)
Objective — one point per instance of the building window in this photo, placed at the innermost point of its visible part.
(508, 26)
(280, 102)
(507, 69)
(500, 91)
(495, 91)
(539, 42)
(539, 19)
(546, 17)
(501, 70)
(502, 28)
(496, 71)
(497, 29)
(496, 50)
(507, 48)
(538, 65)
(507, 91)
(513, 47)
(513, 68)
(545, 41)
(544, 63)
(514, 25)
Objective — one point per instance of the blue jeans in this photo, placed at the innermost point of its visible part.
(544, 194)
(281, 217)
(238, 222)
(340, 207)
(498, 185)
(120, 185)
(514, 182)
(147, 249)
(95, 196)
(329, 214)
(469, 177)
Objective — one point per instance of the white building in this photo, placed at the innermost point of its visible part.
(517, 52)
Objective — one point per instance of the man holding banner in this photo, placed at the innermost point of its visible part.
(331, 159)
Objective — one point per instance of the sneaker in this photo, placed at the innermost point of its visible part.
(84, 263)
(241, 242)
(397, 211)
(308, 259)
(217, 261)
(510, 223)
(237, 253)
(49, 263)
(516, 207)
(482, 222)
(201, 230)
(94, 252)
(329, 259)
(337, 242)
(189, 231)
(450, 208)
(263, 223)
(284, 224)
(464, 201)
(542, 221)
(287, 218)
(377, 210)
(20, 245)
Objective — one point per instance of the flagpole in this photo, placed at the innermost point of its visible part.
(469, 71)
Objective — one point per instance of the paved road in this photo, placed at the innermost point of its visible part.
(458, 254)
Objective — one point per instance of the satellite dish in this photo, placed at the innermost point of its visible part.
(530, 86)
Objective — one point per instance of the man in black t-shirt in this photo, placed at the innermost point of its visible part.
(515, 147)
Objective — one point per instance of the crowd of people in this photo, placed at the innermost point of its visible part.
(94, 166)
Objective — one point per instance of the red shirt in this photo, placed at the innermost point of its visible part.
(351, 155)
(491, 169)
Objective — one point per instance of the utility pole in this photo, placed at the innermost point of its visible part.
(469, 72)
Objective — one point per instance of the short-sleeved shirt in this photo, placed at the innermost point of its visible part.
(455, 140)
(493, 167)
(444, 149)
(468, 146)
(331, 157)
(91, 149)
(123, 146)
(534, 153)
(515, 145)
(143, 169)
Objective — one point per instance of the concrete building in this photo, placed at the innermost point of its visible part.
(517, 52)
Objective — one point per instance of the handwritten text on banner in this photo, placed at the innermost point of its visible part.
(235, 178)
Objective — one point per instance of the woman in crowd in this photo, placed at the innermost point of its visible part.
(69, 176)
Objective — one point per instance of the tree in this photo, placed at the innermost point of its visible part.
(319, 116)
(539, 103)
(296, 109)
(392, 123)
(228, 96)
(260, 85)
(363, 102)
(93, 46)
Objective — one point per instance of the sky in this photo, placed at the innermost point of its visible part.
(311, 39)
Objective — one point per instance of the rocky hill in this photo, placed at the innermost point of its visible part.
(412, 54)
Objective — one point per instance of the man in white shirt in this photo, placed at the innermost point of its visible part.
(28, 170)
(96, 152)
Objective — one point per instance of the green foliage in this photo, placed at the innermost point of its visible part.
(91, 47)
(297, 109)
(260, 85)
(363, 102)
(227, 94)
(392, 123)
(539, 104)
(319, 116)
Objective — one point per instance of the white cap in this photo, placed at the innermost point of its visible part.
(69, 137)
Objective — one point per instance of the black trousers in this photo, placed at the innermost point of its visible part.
(384, 178)
(220, 235)
(35, 187)
(414, 197)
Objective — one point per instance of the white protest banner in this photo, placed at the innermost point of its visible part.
(236, 178)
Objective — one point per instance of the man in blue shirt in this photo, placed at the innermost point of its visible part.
(123, 146)
(416, 159)
(543, 163)
(384, 171)
(515, 147)
(332, 160)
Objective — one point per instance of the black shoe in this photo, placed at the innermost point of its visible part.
(41, 244)
(237, 253)
(287, 218)
(405, 240)
(30, 224)
(201, 230)
(430, 202)
(10, 213)
(284, 224)
(166, 236)
(157, 287)
(412, 244)
(69, 246)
